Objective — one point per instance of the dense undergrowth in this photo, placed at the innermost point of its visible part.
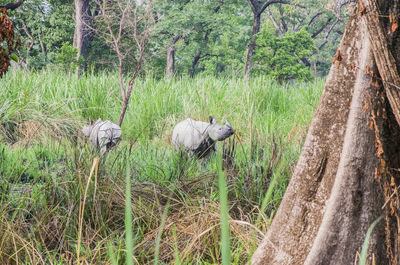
(59, 206)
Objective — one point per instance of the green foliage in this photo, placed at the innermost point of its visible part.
(67, 58)
(49, 24)
(280, 57)
(215, 30)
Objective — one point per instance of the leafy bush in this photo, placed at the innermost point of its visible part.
(280, 57)
(66, 58)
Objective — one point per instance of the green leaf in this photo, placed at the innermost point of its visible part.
(14, 58)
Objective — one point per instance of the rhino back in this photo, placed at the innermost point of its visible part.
(189, 133)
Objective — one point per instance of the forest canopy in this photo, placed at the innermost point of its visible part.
(187, 37)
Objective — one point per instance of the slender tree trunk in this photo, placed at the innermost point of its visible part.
(171, 56)
(170, 61)
(43, 47)
(82, 32)
(252, 44)
(338, 188)
(196, 59)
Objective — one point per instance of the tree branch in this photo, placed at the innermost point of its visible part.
(315, 34)
(277, 26)
(12, 6)
(268, 3)
(325, 41)
(314, 17)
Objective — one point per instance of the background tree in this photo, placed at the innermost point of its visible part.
(324, 23)
(281, 57)
(8, 41)
(44, 28)
(347, 174)
(82, 33)
(121, 22)
(257, 7)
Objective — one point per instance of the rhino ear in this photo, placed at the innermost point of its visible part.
(212, 120)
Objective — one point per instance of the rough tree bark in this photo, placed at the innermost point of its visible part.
(82, 32)
(345, 177)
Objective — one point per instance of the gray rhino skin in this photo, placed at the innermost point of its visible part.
(199, 138)
(103, 135)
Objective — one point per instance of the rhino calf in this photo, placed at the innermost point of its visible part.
(103, 135)
(199, 138)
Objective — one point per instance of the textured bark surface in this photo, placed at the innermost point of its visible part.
(383, 57)
(82, 31)
(333, 197)
(355, 200)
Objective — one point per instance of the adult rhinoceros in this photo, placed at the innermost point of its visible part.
(198, 137)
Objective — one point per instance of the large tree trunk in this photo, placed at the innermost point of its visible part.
(252, 44)
(82, 32)
(336, 192)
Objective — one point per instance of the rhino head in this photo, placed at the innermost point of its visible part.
(218, 132)
(87, 129)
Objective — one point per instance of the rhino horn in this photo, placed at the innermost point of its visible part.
(227, 124)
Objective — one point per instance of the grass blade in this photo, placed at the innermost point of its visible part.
(111, 254)
(224, 215)
(159, 234)
(364, 250)
(128, 217)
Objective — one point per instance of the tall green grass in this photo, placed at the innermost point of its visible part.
(180, 211)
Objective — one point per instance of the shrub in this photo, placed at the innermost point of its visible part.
(280, 57)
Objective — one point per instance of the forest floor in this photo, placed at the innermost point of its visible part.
(61, 205)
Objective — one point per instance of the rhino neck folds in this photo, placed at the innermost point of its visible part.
(205, 148)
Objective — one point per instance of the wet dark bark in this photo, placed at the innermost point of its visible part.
(341, 183)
